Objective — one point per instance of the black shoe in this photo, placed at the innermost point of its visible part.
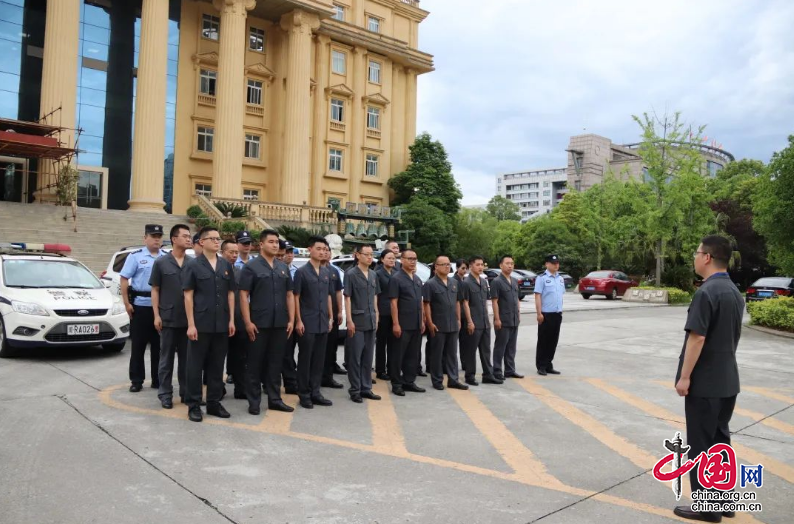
(382, 376)
(687, 513)
(356, 398)
(457, 385)
(306, 403)
(489, 379)
(253, 410)
(728, 514)
(514, 375)
(473, 382)
(421, 373)
(167, 403)
(155, 384)
(400, 392)
(240, 396)
(439, 387)
(218, 410)
(552, 371)
(332, 384)
(321, 401)
(369, 395)
(498, 377)
(229, 378)
(279, 405)
(135, 388)
(182, 400)
(414, 388)
(542, 372)
(339, 370)
(194, 414)
(374, 381)
(291, 390)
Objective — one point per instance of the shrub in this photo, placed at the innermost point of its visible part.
(775, 313)
(194, 212)
(680, 277)
(232, 226)
(203, 221)
(236, 210)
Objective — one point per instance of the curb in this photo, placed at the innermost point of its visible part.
(770, 331)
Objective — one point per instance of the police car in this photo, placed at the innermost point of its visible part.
(111, 276)
(48, 299)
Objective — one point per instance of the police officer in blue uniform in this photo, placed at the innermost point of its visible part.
(137, 296)
(549, 293)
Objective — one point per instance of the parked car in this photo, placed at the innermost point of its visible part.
(569, 281)
(770, 287)
(110, 276)
(611, 284)
(525, 287)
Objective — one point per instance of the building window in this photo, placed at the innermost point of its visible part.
(338, 62)
(373, 118)
(252, 146)
(256, 39)
(373, 24)
(335, 159)
(547, 192)
(254, 95)
(547, 203)
(339, 13)
(337, 110)
(372, 165)
(204, 190)
(211, 27)
(533, 185)
(207, 82)
(205, 136)
(250, 194)
(374, 72)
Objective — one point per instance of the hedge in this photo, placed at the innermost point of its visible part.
(675, 295)
(775, 313)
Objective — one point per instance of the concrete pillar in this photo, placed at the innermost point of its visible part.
(355, 160)
(148, 143)
(321, 101)
(297, 126)
(397, 118)
(59, 82)
(227, 161)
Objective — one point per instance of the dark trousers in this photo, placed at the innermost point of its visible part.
(289, 368)
(548, 336)
(469, 345)
(706, 424)
(404, 360)
(173, 341)
(311, 359)
(236, 358)
(331, 347)
(143, 333)
(265, 358)
(383, 343)
(210, 348)
(442, 357)
(504, 350)
(359, 350)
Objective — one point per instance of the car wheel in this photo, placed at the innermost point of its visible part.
(586, 296)
(114, 346)
(613, 295)
(5, 348)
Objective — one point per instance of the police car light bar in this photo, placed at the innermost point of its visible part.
(30, 247)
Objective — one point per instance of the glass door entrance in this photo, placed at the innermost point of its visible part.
(13, 179)
(89, 189)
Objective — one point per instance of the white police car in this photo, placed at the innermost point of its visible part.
(111, 277)
(51, 300)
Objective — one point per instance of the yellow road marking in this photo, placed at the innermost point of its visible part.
(386, 432)
(769, 393)
(779, 425)
(277, 421)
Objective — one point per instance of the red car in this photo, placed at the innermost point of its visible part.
(610, 283)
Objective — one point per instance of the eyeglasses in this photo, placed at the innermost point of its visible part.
(410, 259)
(443, 265)
(695, 254)
(213, 239)
(365, 255)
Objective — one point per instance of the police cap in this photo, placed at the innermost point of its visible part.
(244, 236)
(553, 259)
(153, 229)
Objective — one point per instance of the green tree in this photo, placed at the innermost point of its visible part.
(505, 240)
(474, 230)
(547, 235)
(773, 208)
(433, 233)
(503, 209)
(429, 175)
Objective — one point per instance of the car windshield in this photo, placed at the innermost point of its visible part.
(423, 271)
(599, 274)
(48, 274)
(772, 282)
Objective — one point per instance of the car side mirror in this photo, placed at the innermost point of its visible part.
(106, 283)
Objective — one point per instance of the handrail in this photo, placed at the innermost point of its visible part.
(209, 209)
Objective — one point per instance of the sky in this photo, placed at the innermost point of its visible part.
(515, 79)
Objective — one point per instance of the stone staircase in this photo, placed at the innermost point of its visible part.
(100, 233)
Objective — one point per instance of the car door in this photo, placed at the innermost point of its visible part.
(623, 283)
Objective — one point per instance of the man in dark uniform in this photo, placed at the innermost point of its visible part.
(361, 307)
(708, 374)
(461, 268)
(238, 344)
(268, 320)
(168, 306)
(332, 344)
(549, 294)
(477, 333)
(407, 314)
(384, 337)
(208, 282)
(313, 321)
(137, 296)
(442, 296)
(289, 367)
(505, 300)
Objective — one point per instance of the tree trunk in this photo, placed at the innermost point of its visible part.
(658, 255)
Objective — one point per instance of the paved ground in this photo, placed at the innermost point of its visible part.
(575, 302)
(76, 447)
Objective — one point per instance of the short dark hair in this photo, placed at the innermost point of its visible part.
(383, 254)
(461, 262)
(441, 255)
(391, 242)
(176, 229)
(719, 248)
(315, 239)
(266, 233)
(226, 243)
(503, 257)
(359, 247)
(282, 244)
(206, 229)
(404, 251)
(474, 259)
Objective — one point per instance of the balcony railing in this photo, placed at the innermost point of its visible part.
(254, 110)
(337, 126)
(206, 100)
(259, 212)
(373, 133)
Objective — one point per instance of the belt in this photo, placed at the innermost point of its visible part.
(135, 294)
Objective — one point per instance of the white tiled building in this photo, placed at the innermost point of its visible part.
(536, 192)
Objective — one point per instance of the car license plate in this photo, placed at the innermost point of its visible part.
(590, 288)
(764, 293)
(527, 284)
(82, 329)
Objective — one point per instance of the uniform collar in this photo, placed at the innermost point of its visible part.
(547, 272)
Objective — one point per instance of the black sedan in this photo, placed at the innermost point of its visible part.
(525, 286)
(770, 287)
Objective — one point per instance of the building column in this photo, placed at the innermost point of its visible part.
(320, 155)
(355, 160)
(410, 109)
(148, 143)
(297, 126)
(397, 119)
(227, 161)
(59, 83)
